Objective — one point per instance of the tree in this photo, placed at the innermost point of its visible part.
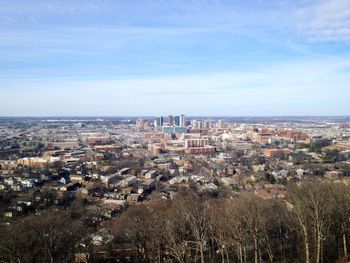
(51, 237)
(58, 234)
(219, 226)
(346, 171)
(312, 209)
(341, 214)
(135, 228)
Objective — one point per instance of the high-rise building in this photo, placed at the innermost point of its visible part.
(160, 121)
(182, 120)
(207, 124)
(170, 120)
(197, 124)
(221, 124)
(177, 120)
(140, 123)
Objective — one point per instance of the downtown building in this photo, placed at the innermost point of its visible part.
(199, 146)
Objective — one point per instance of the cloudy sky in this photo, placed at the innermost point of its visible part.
(197, 57)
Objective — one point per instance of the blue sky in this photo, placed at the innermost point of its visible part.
(151, 57)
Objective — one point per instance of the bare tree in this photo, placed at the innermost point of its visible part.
(51, 237)
(341, 214)
(311, 205)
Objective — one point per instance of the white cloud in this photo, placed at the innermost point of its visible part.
(60, 7)
(316, 87)
(327, 20)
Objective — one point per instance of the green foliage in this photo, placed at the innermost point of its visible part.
(302, 145)
(315, 148)
(346, 171)
(40, 146)
(328, 158)
(331, 156)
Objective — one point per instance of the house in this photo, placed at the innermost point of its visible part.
(149, 185)
(8, 214)
(102, 237)
(82, 192)
(64, 180)
(242, 170)
(9, 181)
(27, 183)
(124, 171)
(17, 187)
(111, 207)
(130, 181)
(134, 198)
(151, 174)
(227, 181)
(178, 180)
(276, 152)
(124, 192)
(108, 178)
(76, 178)
(183, 169)
(332, 175)
(259, 168)
(22, 206)
(72, 186)
(300, 172)
(282, 174)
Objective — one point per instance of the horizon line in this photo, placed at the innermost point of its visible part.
(165, 115)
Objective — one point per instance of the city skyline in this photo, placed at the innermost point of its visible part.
(211, 58)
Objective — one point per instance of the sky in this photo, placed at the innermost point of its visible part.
(160, 57)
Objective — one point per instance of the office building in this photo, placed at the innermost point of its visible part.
(174, 129)
(140, 123)
(206, 124)
(190, 143)
(221, 124)
(201, 150)
(170, 120)
(160, 121)
(177, 120)
(182, 120)
(197, 124)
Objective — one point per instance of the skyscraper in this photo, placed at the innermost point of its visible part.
(160, 121)
(177, 120)
(170, 120)
(182, 120)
